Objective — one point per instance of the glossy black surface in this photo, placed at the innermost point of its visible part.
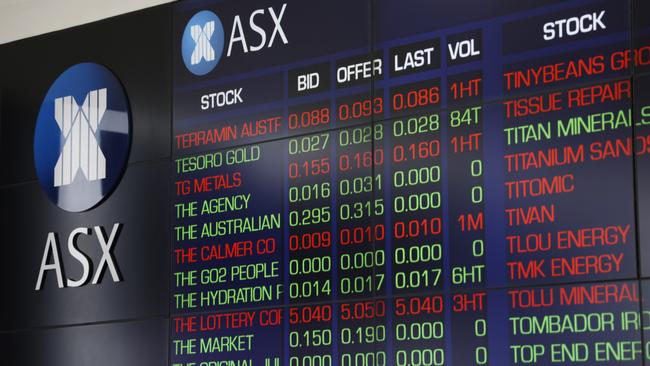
(140, 204)
(138, 343)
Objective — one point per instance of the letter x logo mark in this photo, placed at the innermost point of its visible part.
(202, 47)
(78, 126)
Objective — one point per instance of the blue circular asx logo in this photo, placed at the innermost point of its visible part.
(202, 43)
(82, 137)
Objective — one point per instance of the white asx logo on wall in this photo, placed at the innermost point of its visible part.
(81, 148)
(82, 137)
(78, 125)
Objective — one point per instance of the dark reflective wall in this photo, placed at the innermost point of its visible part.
(110, 323)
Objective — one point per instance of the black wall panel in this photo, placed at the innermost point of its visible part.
(123, 323)
(139, 343)
(141, 253)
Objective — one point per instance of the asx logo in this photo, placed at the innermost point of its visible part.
(82, 137)
(81, 148)
(204, 37)
(78, 125)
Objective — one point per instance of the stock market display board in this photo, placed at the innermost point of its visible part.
(411, 183)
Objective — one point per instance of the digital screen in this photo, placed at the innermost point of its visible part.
(413, 183)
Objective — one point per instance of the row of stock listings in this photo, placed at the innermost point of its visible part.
(469, 195)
